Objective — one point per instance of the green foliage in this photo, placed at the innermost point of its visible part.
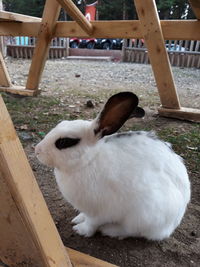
(108, 10)
(118, 9)
(32, 8)
(174, 9)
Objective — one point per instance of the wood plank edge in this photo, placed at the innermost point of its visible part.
(80, 259)
(19, 90)
(188, 114)
(12, 16)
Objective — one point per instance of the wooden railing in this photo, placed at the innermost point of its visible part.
(181, 53)
(23, 47)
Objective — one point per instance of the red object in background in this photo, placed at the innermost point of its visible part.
(90, 11)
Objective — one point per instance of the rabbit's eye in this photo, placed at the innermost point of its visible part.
(66, 142)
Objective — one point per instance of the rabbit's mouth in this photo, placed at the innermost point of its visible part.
(44, 158)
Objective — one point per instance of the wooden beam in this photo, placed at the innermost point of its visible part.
(188, 114)
(20, 29)
(79, 259)
(172, 29)
(102, 29)
(10, 16)
(195, 4)
(2, 43)
(77, 15)
(27, 203)
(4, 75)
(180, 29)
(152, 33)
(49, 19)
(19, 90)
(16, 244)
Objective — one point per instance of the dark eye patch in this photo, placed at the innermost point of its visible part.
(66, 142)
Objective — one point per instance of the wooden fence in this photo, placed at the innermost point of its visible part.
(181, 53)
(23, 47)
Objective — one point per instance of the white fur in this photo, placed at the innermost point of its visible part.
(127, 185)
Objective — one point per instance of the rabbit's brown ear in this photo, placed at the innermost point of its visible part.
(115, 112)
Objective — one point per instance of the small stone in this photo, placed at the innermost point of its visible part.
(89, 104)
(25, 136)
(193, 233)
(77, 75)
(23, 127)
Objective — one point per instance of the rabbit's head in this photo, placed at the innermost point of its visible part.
(69, 140)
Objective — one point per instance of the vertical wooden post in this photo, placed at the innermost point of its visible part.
(195, 4)
(124, 46)
(2, 46)
(49, 19)
(27, 232)
(152, 33)
(4, 76)
(67, 47)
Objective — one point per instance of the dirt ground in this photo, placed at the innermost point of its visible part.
(66, 88)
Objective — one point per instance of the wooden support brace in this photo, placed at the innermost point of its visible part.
(7, 86)
(76, 14)
(79, 259)
(10, 16)
(49, 19)
(19, 90)
(172, 29)
(4, 76)
(189, 114)
(152, 33)
(195, 4)
(27, 231)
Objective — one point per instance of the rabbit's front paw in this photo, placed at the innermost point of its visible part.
(113, 230)
(84, 229)
(79, 218)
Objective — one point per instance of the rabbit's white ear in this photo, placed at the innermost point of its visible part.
(116, 111)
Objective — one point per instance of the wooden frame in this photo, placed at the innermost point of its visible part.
(148, 27)
(196, 7)
(10, 16)
(152, 32)
(128, 29)
(47, 27)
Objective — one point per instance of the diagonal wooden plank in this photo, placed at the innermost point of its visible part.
(10, 16)
(49, 19)
(4, 76)
(18, 90)
(151, 29)
(79, 259)
(195, 4)
(27, 202)
(189, 114)
(76, 14)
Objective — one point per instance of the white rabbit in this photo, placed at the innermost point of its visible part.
(125, 184)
